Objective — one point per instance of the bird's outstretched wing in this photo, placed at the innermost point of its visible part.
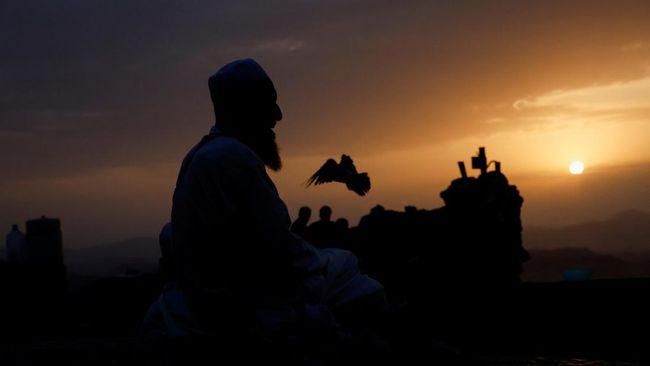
(327, 173)
(343, 172)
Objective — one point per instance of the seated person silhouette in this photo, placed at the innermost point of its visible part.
(342, 234)
(15, 244)
(322, 233)
(299, 226)
(239, 266)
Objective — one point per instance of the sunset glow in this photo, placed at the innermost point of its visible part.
(96, 135)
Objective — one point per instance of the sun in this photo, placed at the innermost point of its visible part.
(576, 168)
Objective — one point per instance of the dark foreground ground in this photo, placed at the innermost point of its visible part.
(600, 322)
(112, 351)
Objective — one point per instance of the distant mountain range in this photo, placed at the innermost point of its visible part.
(616, 247)
(136, 254)
(548, 265)
(625, 232)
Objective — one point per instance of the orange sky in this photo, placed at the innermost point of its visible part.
(98, 104)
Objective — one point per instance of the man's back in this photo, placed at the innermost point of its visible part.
(228, 224)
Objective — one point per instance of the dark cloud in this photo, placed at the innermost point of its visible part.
(107, 83)
(80, 70)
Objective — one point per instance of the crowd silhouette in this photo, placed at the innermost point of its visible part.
(451, 277)
(438, 264)
(473, 240)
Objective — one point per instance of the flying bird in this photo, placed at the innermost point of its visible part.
(342, 172)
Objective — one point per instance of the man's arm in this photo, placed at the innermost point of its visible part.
(250, 190)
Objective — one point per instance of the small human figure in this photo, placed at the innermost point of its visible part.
(299, 226)
(322, 233)
(15, 243)
(342, 236)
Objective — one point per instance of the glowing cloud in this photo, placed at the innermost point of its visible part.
(621, 95)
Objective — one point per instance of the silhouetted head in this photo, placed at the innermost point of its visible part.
(245, 107)
(410, 210)
(304, 213)
(377, 209)
(14, 227)
(342, 223)
(325, 213)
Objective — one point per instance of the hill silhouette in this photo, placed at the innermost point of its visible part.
(547, 265)
(627, 231)
(135, 254)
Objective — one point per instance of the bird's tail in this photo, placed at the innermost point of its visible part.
(360, 184)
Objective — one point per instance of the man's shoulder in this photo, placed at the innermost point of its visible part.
(316, 224)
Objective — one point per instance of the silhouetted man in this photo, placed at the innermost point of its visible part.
(236, 258)
(15, 242)
(342, 237)
(323, 232)
(299, 225)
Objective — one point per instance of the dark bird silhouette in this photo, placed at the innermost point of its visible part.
(342, 172)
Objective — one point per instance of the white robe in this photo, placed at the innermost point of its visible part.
(223, 182)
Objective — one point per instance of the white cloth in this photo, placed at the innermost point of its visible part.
(226, 195)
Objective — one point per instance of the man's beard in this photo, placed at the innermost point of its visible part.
(264, 145)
